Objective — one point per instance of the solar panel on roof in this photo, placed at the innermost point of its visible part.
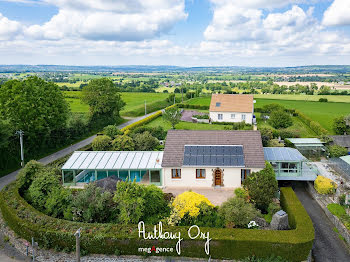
(213, 156)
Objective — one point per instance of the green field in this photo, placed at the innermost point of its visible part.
(331, 98)
(133, 100)
(324, 113)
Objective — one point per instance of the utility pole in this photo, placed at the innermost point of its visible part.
(145, 107)
(182, 95)
(20, 133)
(174, 97)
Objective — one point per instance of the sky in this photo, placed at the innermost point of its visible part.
(175, 32)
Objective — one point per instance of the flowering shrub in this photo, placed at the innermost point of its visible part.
(252, 224)
(324, 185)
(189, 203)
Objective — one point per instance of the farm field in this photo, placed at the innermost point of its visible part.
(133, 100)
(324, 113)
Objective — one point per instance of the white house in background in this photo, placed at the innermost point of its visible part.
(231, 108)
(211, 158)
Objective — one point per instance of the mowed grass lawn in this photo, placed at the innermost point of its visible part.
(132, 100)
(324, 113)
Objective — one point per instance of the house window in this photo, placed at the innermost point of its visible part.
(243, 116)
(200, 173)
(233, 116)
(220, 116)
(176, 173)
(218, 104)
(244, 174)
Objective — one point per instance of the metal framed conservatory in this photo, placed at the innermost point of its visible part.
(290, 164)
(88, 166)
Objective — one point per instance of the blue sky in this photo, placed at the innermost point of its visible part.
(175, 32)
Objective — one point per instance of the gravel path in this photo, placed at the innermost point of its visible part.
(327, 246)
(7, 252)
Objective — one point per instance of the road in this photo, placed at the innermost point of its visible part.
(8, 253)
(327, 246)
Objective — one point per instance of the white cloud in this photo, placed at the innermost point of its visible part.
(337, 14)
(9, 28)
(133, 20)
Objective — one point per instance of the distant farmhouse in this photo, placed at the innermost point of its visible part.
(232, 108)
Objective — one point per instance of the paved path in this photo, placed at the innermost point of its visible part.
(7, 254)
(327, 246)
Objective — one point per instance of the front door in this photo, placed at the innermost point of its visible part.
(217, 177)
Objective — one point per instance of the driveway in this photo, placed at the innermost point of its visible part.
(327, 246)
(215, 195)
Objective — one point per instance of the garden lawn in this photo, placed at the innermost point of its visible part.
(133, 101)
(321, 112)
(184, 125)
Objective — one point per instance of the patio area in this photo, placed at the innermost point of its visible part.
(215, 195)
(187, 115)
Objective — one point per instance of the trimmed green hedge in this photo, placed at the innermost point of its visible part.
(193, 106)
(314, 126)
(49, 232)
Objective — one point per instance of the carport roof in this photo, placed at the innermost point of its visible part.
(283, 154)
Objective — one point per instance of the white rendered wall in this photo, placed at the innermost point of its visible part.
(226, 117)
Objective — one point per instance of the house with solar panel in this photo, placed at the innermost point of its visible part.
(232, 108)
(191, 158)
(211, 158)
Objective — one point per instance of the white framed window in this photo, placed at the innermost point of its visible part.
(220, 116)
(233, 116)
(243, 116)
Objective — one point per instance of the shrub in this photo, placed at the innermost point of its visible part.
(280, 119)
(262, 187)
(324, 185)
(92, 205)
(336, 209)
(123, 143)
(237, 212)
(266, 135)
(342, 199)
(189, 203)
(273, 208)
(272, 108)
(27, 174)
(156, 205)
(337, 151)
(112, 131)
(157, 132)
(287, 133)
(101, 143)
(241, 193)
(323, 100)
(201, 116)
(57, 202)
(42, 186)
(145, 142)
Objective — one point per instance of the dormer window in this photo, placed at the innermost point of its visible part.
(218, 104)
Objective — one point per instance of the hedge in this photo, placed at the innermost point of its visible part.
(144, 121)
(314, 126)
(294, 244)
(202, 107)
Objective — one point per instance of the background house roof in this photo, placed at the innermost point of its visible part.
(343, 140)
(306, 141)
(177, 139)
(231, 103)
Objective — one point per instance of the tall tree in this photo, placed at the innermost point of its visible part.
(35, 106)
(172, 115)
(103, 98)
